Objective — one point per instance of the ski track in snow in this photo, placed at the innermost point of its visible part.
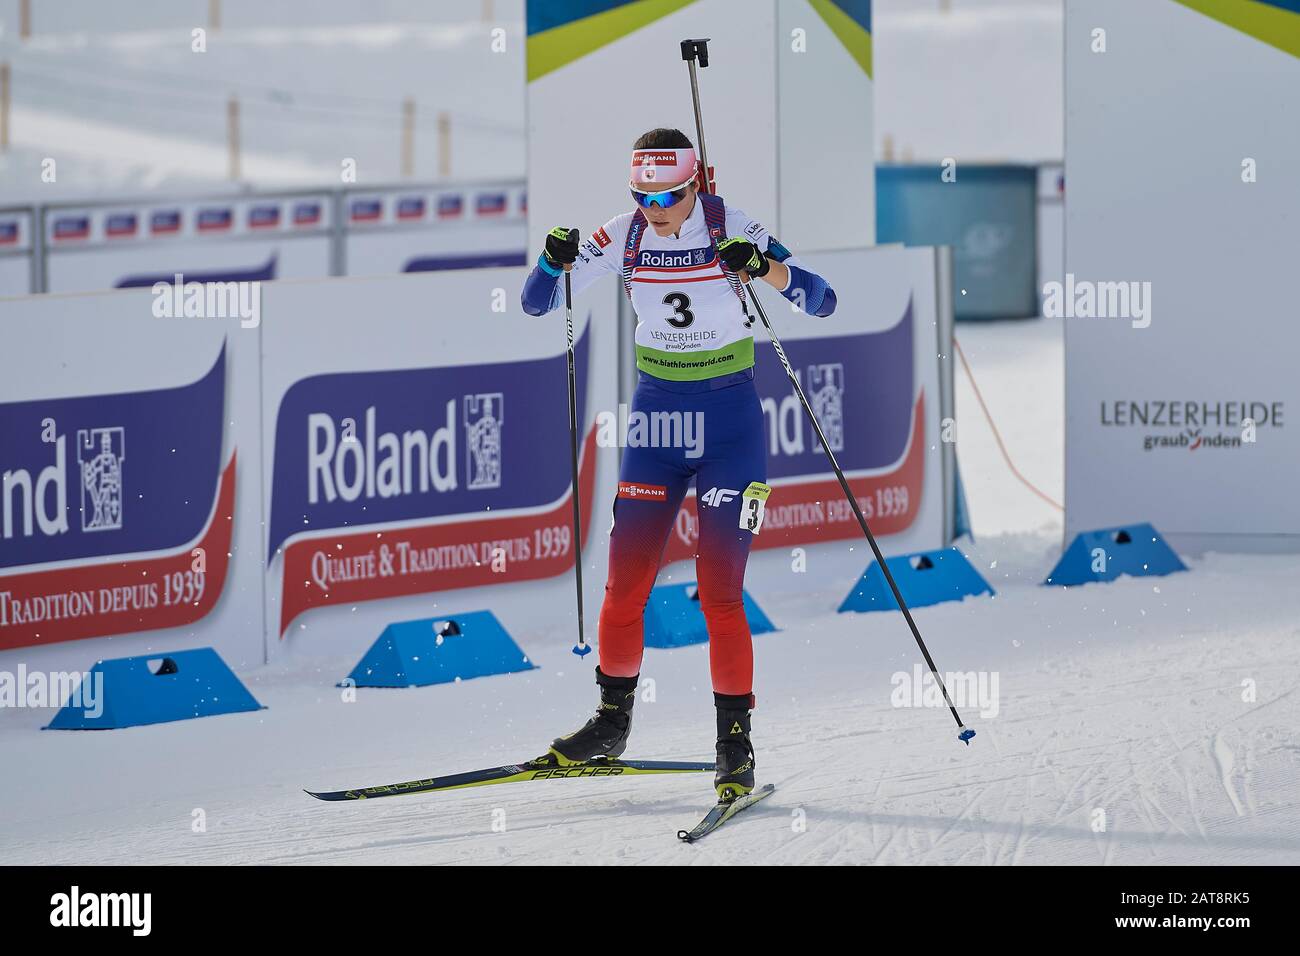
(1120, 702)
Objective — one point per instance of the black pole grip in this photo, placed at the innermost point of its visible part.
(696, 50)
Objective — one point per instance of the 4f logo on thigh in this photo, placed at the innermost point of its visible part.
(717, 497)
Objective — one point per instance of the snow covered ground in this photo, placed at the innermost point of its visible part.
(1143, 721)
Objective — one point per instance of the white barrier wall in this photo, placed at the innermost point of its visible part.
(129, 449)
(417, 451)
(15, 252)
(367, 451)
(132, 245)
(207, 240)
(1183, 200)
(290, 235)
(424, 229)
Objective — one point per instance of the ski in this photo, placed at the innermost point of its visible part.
(543, 768)
(723, 812)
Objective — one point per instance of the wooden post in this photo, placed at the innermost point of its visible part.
(4, 107)
(408, 137)
(487, 11)
(25, 19)
(232, 136)
(214, 15)
(444, 144)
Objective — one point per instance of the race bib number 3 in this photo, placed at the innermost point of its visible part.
(752, 503)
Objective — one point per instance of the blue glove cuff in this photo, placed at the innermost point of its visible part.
(545, 265)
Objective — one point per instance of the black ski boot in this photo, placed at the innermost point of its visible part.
(735, 776)
(605, 735)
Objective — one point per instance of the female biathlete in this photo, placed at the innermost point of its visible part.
(682, 255)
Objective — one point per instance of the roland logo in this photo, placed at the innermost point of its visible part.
(36, 502)
(668, 260)
(350, 462)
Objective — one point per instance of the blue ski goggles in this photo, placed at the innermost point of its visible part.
(664, 199)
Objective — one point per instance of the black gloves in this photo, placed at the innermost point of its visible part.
(737, 253)
(561, 247)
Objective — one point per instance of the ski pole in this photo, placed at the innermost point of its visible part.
(966, 733)
(581, 648)
(691, 51)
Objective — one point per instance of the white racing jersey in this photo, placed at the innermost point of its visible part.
(690, 322)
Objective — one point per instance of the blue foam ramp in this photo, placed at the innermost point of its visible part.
(923, 578)
(673, 617)
(1105, 554)
(155, 689)
(438, 650)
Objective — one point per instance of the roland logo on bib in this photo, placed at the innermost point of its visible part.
(663, 259)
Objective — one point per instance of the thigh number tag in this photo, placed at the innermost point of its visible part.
(752, 503)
